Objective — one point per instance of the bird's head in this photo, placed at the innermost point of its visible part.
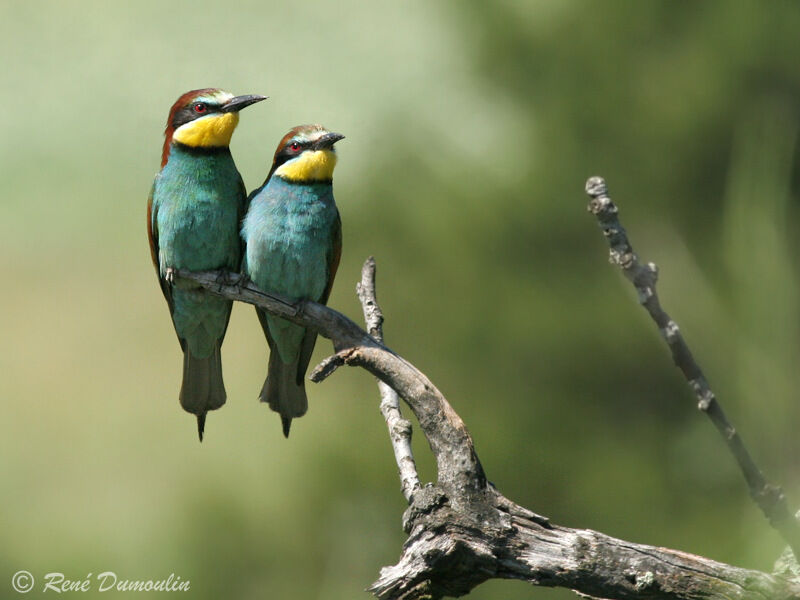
(204, 119)
(306, 155)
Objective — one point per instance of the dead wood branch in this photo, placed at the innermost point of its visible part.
(769, 497)
(462, 531)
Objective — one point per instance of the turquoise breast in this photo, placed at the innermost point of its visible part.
(289, 235)
(199, 200)
(288, 231)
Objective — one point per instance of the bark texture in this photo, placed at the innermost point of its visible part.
(461, 530)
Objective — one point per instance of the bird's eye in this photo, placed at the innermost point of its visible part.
(295, 146)
(200, 108)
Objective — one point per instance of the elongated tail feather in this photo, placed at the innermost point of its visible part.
(282, 390)
(202, 388)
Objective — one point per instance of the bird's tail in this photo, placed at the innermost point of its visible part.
(202, 388)
(282, 390)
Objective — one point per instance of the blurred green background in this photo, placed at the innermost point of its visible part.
(471, 127)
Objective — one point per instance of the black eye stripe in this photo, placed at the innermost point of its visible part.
(187, 113)
(287, 152)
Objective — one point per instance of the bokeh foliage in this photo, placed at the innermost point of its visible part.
(471, 127)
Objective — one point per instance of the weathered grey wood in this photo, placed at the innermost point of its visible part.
(399, 428)
(456, 461)
(461, 530)
(770, 498)
(450, 551)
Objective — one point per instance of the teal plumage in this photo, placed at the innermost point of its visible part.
(196, 206)
(292, 233)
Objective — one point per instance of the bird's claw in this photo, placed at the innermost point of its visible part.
(228, 278)
(169, 275)
(222, 280)
(244, 280)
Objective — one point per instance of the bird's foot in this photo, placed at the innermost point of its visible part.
(243, 282)
(226, 278)
(169, 275)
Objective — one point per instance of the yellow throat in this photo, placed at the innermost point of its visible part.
(212, 131)
(311, 165)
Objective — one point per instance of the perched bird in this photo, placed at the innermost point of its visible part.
(293, 238)
(194, 213)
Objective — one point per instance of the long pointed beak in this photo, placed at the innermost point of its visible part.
(327, 141)
(239, 102)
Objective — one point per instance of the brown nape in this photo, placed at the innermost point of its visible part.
(283, 153)
(180, 103)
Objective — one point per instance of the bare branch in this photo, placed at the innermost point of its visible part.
(399, 428)
(448, 553)
(462, 531)
(456, 461)
(328, 366)
(769, 497)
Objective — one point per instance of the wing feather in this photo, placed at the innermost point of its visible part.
(310, 338)
(152, 234)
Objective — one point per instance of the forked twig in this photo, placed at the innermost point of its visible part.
(462, 531)
(399, 428)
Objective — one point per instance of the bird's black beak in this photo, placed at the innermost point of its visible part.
(327, 141)
(239, 102)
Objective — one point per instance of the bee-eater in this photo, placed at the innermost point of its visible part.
(293, 238)
(194, 213)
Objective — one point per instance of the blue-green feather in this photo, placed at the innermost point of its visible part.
(198, 200)
(288, 231)
(293, 237)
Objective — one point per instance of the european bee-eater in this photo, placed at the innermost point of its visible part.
(293, 238)
(194, 213)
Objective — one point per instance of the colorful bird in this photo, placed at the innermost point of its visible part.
(293, 238)
(194, 213)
